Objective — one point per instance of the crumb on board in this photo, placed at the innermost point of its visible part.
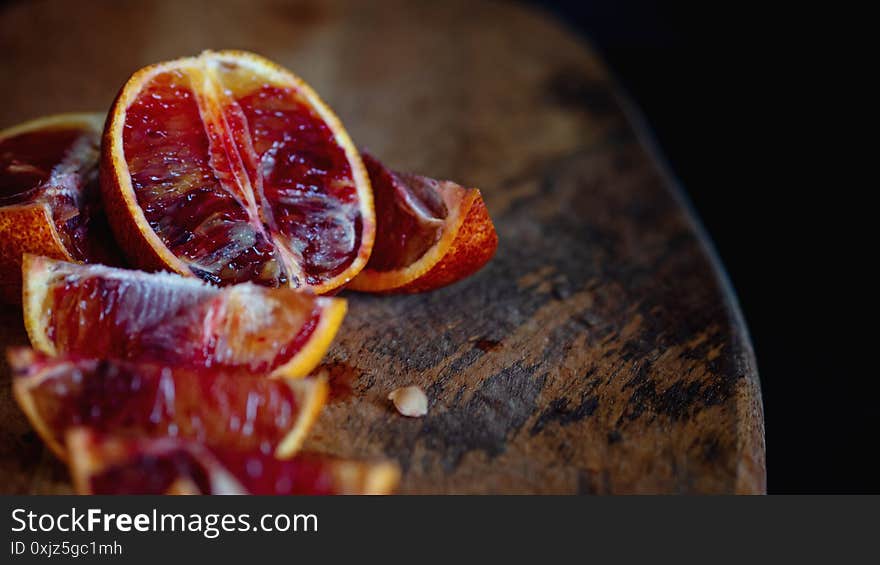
(409, 401)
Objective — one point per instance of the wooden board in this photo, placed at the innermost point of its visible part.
(599, 352)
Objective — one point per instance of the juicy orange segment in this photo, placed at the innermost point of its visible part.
(429, 233)
(215, 407)
(48, 192)
(231, 168)
(101, 464)
(103, 312)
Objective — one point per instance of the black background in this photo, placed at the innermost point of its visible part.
(748, 104)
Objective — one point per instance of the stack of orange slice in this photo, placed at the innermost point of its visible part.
(227, 168)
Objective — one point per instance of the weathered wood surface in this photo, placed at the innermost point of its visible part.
(599, 352)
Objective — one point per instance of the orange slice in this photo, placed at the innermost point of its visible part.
(48, 192)
(104, 312)
(215, 407)
(228, 167)
(102, 464)
(429, 233)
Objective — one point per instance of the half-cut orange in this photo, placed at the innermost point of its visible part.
(101, 464)
(217, 407)
(231, 168)
(104, 312)
(48, 193)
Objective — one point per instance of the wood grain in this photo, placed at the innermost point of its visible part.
(599, 352)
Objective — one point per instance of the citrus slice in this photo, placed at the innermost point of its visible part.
(429, 233)
(101, 464)
(231, 168)
(104, 312)
(216, 407)
(48, 192)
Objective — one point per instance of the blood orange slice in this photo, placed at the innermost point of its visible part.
(231, 168)
(216, 407)
(104, 312)
(102, 464)
(48, 192)
(429, 233)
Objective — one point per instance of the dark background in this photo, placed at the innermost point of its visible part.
(743, 101)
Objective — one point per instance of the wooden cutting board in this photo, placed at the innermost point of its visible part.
(601, 351)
